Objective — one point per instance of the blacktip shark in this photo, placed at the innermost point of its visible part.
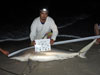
(54, 54)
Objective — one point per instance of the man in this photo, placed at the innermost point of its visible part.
(97, 31)
(42, 27)
(96, 28)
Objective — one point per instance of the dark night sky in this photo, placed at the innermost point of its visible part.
(18, 14)
(17, 11)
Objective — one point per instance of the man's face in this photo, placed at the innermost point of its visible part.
(43, 15)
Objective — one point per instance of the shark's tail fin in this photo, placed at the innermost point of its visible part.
(84, 50)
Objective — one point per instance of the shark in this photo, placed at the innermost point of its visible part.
(54, 54)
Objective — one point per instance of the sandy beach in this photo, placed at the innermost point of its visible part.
(73, 66)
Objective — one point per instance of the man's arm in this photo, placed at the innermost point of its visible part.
(54, 30)
(33, 33)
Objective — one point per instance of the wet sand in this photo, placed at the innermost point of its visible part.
(73, 66)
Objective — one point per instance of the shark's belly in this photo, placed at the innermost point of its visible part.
(52, 56)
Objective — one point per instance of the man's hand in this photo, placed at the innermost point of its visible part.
(51, 41)
(4, 52)
(33, 43)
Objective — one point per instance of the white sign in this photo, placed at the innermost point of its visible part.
(42, 45)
